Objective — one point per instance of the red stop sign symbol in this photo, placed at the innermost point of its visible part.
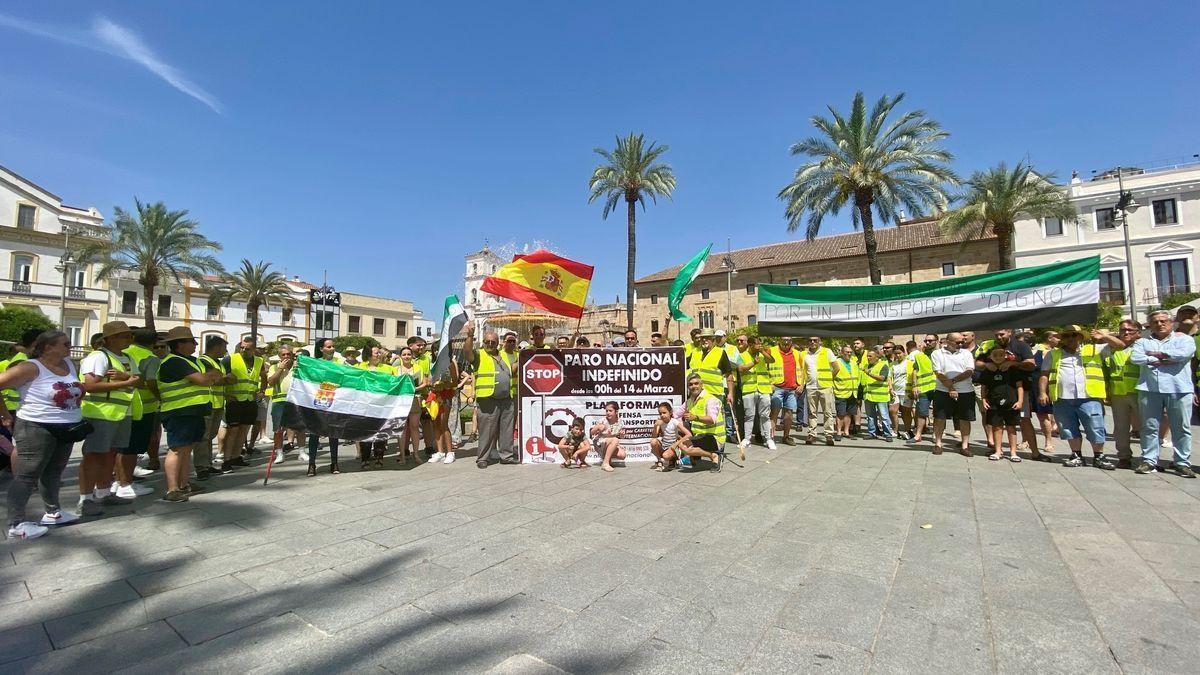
(543, 374)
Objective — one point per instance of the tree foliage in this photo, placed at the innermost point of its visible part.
(155, 244)
(256, 285)
(873, 163)
(996, 198)
(632, 171)
(15, 320)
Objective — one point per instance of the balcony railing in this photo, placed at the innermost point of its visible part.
(36, 289)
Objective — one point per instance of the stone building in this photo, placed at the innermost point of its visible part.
(721, 297)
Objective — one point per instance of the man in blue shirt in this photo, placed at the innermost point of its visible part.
(1165, 385)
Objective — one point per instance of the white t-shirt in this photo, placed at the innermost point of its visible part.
(900, 376)
(810, 365)
(1071, 372)
(670, 432)
(97, 363)
(952, 364)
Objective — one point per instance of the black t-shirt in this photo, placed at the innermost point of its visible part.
(176, 369)
(1001, 386)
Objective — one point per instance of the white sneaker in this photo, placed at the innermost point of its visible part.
(139, 472)
(27, 530)
(126, 492)
(59, 517)
(744, 444)
(771, 444)
(438, 457)
(278, 456)
(302, 457)
(449, 458)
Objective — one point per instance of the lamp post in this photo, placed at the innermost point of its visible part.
(1126, 204)
(730, 270)
(63, 266)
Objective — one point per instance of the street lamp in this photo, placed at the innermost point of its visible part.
(730, 270)
(63, 267)
(1126, 204)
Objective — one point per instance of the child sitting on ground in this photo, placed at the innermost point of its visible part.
(574, 446)
(669, 439)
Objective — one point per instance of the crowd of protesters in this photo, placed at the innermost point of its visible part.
(138, 387)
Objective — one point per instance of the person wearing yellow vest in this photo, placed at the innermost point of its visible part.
(144, 418)
(877, 394)
(786, 375)
(702, 412)
(424, 363)
(495, 414)
(859, 347)
(11, 397)
(372, 449)
(1072, 380)
(713, 366)
(1165, 385)
(109, 407)
(1121, 380)
(921, 383)
(731, 352)
(410, 437)
(202, 455)
(185, 395)
(817, 368)
(693, 345)
(241, 398)
(754, 366)
(279, 380)
(846, 384)
(259, 428)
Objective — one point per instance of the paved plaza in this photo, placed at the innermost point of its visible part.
(862, 557)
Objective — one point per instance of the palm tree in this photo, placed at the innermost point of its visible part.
(870, 162)
(997, 197)
(631, 172)
(256, 285)
(155, 244)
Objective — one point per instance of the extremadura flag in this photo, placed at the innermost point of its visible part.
(350, 404)
(1029, 297)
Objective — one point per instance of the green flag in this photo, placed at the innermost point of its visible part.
(683, 281)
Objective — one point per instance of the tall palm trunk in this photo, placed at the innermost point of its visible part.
(862, 201)
(253, 309)
(631, 202)
(1004, 233)
(148, 289)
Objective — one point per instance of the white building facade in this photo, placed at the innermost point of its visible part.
(480, 305)
(1163, 230)
(36, 230)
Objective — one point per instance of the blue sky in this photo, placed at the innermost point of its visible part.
(383, 141)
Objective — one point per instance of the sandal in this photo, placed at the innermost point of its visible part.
(312, 470)
(333, 469)
(607, 468)
(565, 465)
(994, 458)
(1014, 459)
(1043, 457)
(657, 466)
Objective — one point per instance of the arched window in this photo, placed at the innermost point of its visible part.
(474, 296)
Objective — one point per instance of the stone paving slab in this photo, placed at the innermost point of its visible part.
(864, 557)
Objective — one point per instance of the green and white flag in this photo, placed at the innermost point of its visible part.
(683, 281)
(453, 321)
(1046, 295)
(344, 402)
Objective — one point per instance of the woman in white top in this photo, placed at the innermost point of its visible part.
(901, 405)
(50, 395)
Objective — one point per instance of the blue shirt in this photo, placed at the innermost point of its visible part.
(1172, 377)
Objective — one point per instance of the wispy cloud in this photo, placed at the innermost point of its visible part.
(112, 38)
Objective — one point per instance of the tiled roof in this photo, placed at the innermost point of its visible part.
(911, 234)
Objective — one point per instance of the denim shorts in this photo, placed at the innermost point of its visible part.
(277, 414)
(921, 403)
(783, 398)
(184, 429)
(1073, 413)
(845, 406)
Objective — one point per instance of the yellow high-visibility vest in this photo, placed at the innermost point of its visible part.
(757, 380)
(145, 398)
(845, 383)
(1093, 372)
(114, 405)
(1123, 374)
(876, 391)
(216, 391)
(699, 409)
(247, 378)
(184, 393)
(925, 380)
(12, 397)
(708, 366)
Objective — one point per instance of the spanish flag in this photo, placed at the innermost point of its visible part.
(543, 280)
